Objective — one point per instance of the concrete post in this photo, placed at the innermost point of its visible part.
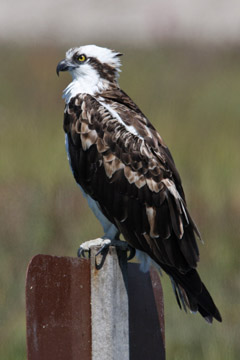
(109, 305)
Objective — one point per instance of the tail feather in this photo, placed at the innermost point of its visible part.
(206, 305)
(191, 292)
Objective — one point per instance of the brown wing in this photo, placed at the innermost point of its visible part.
(139, 190)
(132, 115)
(133, 181)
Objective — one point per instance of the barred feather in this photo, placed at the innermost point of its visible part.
(121, 161)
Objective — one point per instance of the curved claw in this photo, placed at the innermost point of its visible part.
(132, 253)
(81, 253)
(104, 247)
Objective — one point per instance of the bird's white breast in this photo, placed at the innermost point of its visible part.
(85, 81)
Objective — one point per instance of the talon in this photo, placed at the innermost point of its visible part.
(132, 253)
(81, 253)
(104, 247)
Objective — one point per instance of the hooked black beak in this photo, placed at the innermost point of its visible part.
(62, 66)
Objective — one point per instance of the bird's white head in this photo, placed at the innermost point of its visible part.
(93, 69)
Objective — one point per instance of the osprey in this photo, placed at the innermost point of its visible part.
(128, 175)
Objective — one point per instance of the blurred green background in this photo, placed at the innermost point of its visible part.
(191, 95)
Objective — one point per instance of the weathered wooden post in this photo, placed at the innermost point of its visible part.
(102, 308)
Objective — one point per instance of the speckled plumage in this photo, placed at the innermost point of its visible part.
(121, 162)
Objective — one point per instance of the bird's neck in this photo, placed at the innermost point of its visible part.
(87, 84)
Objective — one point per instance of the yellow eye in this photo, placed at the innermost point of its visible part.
(81, 58)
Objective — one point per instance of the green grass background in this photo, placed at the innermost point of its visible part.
(192, 97)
